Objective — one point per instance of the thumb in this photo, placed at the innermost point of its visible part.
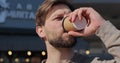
(75, 34)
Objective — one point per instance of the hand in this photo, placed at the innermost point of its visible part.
(93, 18)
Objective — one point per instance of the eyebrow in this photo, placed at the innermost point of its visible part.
(61, 13)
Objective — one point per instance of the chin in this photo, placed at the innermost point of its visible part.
(63, 41)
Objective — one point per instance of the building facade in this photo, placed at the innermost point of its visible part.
(19, 41)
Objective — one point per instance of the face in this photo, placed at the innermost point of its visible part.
(53, 30)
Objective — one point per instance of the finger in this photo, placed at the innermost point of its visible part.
(69, 17)
(76, 34)
(80, 14)
(74, 16)
(84, 11)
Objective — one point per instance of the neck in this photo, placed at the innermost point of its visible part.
(58, 55)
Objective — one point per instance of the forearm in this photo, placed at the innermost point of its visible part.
(111, 38)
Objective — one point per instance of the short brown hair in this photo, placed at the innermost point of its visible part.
(45, 8)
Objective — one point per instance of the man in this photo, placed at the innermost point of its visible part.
(59, 43)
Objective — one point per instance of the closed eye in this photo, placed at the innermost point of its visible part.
(58, 18)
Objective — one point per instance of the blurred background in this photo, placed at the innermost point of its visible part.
(19, 42)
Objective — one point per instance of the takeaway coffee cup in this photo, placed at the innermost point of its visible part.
(74, 26)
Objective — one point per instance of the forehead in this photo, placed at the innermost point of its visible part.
(59, 9)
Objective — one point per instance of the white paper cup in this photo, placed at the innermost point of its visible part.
(75, 26)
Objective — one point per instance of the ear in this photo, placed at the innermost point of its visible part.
(40, 31)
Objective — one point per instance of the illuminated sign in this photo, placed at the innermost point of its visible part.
(18, 13)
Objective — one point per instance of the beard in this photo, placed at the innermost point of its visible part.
(59, 42)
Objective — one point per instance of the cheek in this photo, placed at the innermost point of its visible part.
(53, 30)
(55, 26)
(58, 25)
